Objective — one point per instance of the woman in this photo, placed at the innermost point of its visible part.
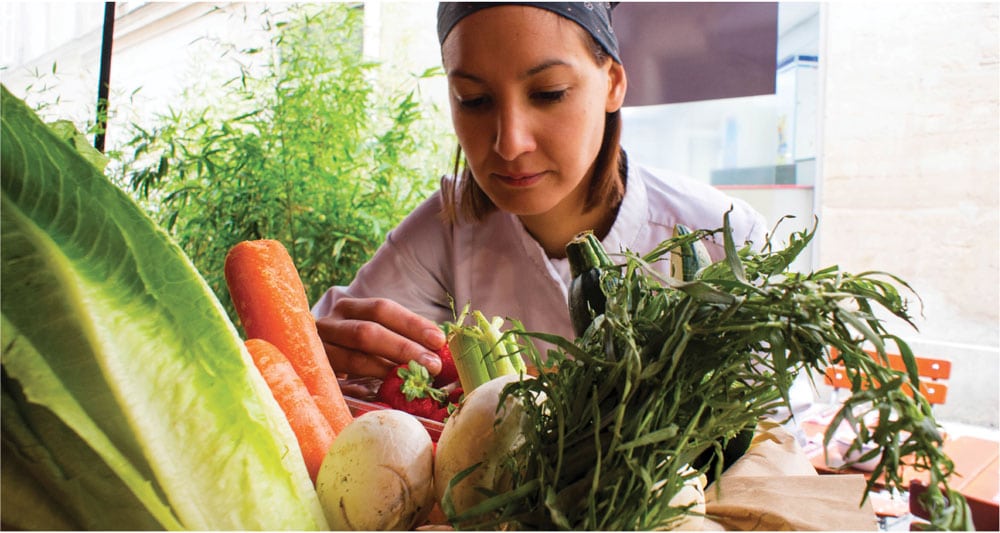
(536, 91)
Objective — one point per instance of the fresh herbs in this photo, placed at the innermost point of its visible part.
(672, 369)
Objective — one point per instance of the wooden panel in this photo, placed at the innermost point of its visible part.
(981, 493)
(971, 456)
(836, 376)
(692, 51)
(936, 392)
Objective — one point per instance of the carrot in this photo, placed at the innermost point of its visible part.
(271, 302)
(311, 428)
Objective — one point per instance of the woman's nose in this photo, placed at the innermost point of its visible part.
(514, 136)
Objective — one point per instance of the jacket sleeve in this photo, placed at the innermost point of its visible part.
(412, 268)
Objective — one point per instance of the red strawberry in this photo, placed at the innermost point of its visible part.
(455, 395)
(409, 388)
(449, 372)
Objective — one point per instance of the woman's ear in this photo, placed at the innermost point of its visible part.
(617, 85)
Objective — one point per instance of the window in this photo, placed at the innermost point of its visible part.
(753, 137)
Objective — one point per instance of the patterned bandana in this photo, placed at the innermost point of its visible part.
(595, 17)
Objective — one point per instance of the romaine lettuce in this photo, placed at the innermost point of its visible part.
(129, 400)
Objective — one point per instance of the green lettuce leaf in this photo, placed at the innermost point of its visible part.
(129, 399)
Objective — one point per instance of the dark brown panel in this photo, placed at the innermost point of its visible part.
(688, 51)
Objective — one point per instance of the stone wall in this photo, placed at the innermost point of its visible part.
(909, 174)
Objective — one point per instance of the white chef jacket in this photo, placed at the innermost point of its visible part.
(495, 266)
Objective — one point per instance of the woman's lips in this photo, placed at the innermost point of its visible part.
(519, 180)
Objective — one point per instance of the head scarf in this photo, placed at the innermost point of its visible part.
(595, 17)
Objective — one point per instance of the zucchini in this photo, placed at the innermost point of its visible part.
(587, 259)
(689, 258)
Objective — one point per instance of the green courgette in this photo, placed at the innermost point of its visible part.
(587, 259)
(688, 258)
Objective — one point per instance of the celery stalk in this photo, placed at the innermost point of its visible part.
(514, 354)
(496, 357)
(510, 347)
(465, 349)
(486, 349)
(482, 351)
(501, 359)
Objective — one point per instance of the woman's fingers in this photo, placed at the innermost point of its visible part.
(368, 336)
(392, 316)
(355, 363)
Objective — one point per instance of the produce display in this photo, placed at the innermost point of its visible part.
(271, 302)
(378, 475)
(411, 388)
(311, 428)
(129, 398)
(615, 420)
(130, 401)
(476, 352)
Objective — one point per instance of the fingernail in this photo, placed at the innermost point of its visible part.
(433, 337)
(431, 362)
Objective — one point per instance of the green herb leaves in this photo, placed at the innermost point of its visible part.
(675, 369)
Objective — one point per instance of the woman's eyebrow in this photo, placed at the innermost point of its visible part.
(465, 75)
(541, 67)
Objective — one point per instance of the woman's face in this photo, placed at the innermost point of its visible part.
(528, 103)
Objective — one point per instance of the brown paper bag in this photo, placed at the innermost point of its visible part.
(774, 487)
(791, 503)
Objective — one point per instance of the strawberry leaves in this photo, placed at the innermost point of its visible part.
(411, 388)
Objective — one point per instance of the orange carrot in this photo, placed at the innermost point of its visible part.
(311, 428)
(272, 305)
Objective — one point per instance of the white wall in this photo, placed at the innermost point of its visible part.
(910, 151)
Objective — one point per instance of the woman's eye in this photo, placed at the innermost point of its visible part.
(476, 102)
(550, 96)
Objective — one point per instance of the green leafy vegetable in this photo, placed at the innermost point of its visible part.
(674, 369)
(481, 350)
(129, 401)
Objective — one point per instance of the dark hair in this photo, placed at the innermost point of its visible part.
(463, 199)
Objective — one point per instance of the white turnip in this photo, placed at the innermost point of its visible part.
(692, 496)
(378, 474)
(478, 433)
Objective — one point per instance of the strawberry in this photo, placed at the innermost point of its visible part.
(455, 395)
(449, 372)
(410, 388)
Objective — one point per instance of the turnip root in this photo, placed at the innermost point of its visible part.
(478, 433)
(691, 494)
(378, 473)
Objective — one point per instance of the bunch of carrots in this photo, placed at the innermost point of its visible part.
(282, 339)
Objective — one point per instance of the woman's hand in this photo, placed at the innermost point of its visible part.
(371, 336)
